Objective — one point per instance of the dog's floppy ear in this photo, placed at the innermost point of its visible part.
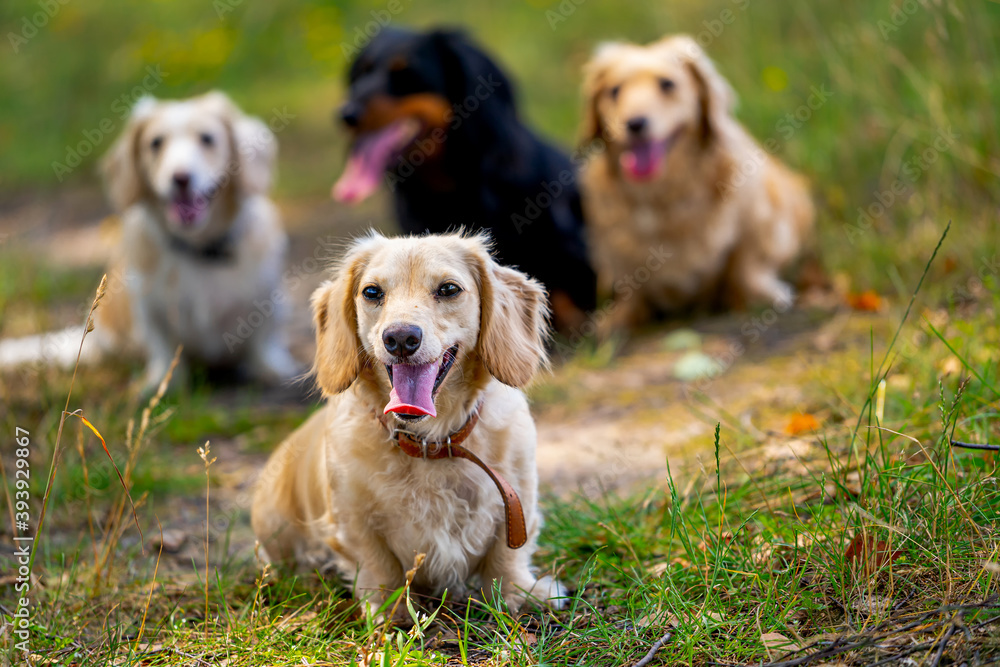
(338, 346)
(119, 167)
(258, 150)
(254, 145)
(716, 97)
(513, 321)
(595, 74)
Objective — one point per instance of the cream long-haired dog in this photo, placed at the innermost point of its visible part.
(202, 248)
(415, 334)
(684, 207)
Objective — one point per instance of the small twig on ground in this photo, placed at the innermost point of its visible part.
(944, 642)
(970, 445)
(657, 645)
(205, 452)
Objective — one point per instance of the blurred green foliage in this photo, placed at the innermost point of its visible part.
(898, 73)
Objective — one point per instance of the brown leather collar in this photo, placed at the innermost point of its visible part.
(451, 447)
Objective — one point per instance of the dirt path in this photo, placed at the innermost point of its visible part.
(604, 424)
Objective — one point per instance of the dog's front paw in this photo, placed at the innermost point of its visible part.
(546, 591)
(549, 591)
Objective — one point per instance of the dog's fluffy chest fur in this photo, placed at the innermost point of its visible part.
(675, 217)
(210, 305)
(448, 510)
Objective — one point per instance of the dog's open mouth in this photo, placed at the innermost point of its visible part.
(187, 209)
(414, 386)
(369, 158)
(643, 159)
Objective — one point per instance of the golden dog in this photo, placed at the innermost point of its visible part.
(684, 208)
(419, 336)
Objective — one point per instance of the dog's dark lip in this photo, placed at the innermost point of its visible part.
(667, 143)
(190, 199)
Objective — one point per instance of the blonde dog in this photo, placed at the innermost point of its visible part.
(422, 342)
(203, 248)
(684, 208)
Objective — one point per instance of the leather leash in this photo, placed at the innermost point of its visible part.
(451, 447)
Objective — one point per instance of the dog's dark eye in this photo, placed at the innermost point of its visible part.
(614, 92)
(156, 143)
(666, 85)
(448, 289)
(207, 140)
(372, 293)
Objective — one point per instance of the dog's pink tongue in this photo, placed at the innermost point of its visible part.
(369, 158)
(187, 212)
(642, 161)
(413, 389)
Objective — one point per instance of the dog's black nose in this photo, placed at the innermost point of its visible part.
(636, 124)
(182, 179)
(402, 340)
(350, 114)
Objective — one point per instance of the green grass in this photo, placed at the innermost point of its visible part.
(892, 92)
(868, 545)
(731, 548)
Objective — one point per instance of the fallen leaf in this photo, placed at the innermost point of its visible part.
(656, 618)
(658, 569)
(779, 643)
(801, 423)
(870, 554)
(868, 301)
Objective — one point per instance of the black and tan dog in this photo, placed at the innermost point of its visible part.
(436, 119)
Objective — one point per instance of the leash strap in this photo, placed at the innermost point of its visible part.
(451, 447)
